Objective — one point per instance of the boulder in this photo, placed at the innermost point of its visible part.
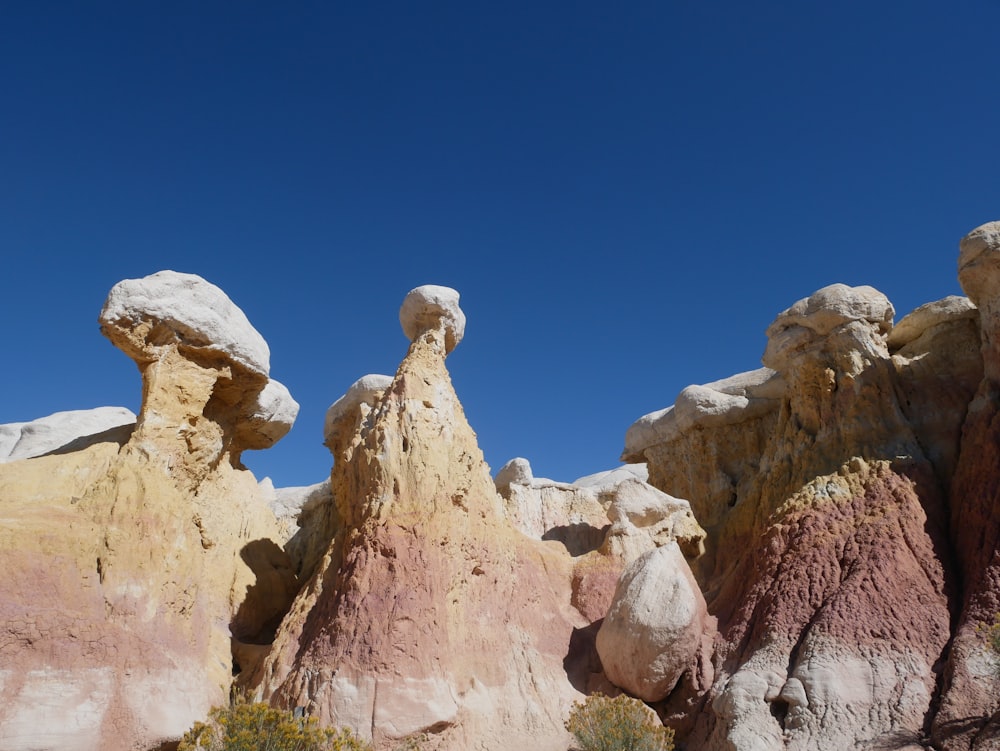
(431, 307)
(655, 626)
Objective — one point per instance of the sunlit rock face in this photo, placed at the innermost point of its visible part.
(431, 612)
(131, 561)
(821, 483)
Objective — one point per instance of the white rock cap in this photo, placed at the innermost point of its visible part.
(948, 310)
(515, 472)
(740, 397)
(979, 261)
(186, 309)
(25, 440)
(816, 317)
(272, 416)
(363, 391)
(431, 307)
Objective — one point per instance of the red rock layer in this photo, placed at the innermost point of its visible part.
(430, 613)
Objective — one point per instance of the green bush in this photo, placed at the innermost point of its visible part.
(620, 724)
(259, 727)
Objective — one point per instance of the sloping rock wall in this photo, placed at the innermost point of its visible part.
(829, 560)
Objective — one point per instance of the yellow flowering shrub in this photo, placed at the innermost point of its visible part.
(620, 724)
(260, 727)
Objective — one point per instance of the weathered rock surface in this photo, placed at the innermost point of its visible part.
(656, 626)
(63, 432)
(968, 717)
(128, 569)
(827, 522)
(429, 612)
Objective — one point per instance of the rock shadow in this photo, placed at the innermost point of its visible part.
(580, 538)
(582, 662)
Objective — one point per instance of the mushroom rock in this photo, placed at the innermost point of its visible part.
(824, 516)
(131, 567)
(200, 359)
(966, 718)
(63, 432)
(433, 308)
(429, 611)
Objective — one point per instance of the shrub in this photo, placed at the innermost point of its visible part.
(259, 727)
(620, 724)
(992, 632)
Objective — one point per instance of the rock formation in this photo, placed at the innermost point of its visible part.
(801, 556)
(657, 626)
(827, 522)
(128, 567)
(430, 610)
(969, 717)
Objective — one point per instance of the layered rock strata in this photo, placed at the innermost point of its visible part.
(827, 523)
(128, 567)
(969, 717)
(430, 612)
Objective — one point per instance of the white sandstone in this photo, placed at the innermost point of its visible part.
(186, 309)
(432, 307)
(74, 429)
(913, 325)
(364, 391)
(655, 624)
(273, 415)
(515, 472)
(731, 400)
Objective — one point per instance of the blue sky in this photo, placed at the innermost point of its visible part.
(625, 196)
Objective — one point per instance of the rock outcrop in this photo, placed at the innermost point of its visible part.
(801, 556)
(969, 717)
(827, 522)
(430, 612)
(128, 568)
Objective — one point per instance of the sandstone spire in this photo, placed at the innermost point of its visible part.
(429, 611)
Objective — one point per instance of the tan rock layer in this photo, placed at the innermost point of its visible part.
(429, 612)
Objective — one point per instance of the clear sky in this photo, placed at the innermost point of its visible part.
(624, 194)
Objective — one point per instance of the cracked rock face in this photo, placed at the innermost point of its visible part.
(134, 560)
